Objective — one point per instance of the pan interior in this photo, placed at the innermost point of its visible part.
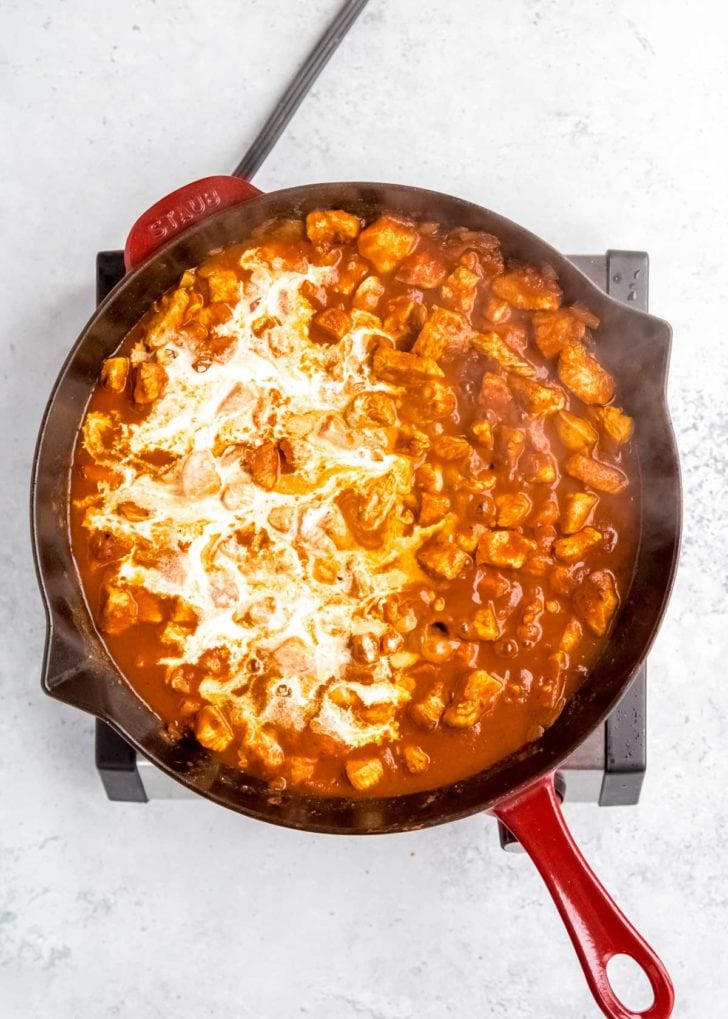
(77, 668)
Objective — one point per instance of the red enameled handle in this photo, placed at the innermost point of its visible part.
(180, 209)
(596, 926)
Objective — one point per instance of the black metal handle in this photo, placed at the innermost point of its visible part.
(294, 95)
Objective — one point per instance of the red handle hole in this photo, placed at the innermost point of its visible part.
(630, 983)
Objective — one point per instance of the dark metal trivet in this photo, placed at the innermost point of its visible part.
(608, 768)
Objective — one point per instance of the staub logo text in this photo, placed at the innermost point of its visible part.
(186, 212)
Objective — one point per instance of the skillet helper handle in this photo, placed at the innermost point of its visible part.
(596, 926)
(180, 209)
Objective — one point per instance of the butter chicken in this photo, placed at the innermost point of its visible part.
(352, 507)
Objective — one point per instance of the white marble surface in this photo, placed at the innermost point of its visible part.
(597, 125)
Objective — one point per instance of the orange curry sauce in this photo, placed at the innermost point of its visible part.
(352, 505)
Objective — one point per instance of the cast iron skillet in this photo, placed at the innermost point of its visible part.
(180, 231)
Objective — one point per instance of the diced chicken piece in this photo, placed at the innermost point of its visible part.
(391, 642)
(529, 288)
(107, 547)
(563, 579)
(512, 508)
(282, 518)
(212, 729)
(535, 397)
(495, 395)
(165, 322)
(596, 474)
(380, 713)
(403, 315)
(575, 546)
(509, 444)
(571, 636)
(114, 374)
(364, 648)
(551, 683)
(485, 623)
(374, 502)
(432, 509)
(263, 324)
(224, 285)
(334, 431)
(460, 288)
(150, 381)
(411, 442)
(301, 769)
(264, 748)
(435, 400)
(555, 330)
(118, 611)
(576, 433)
(480, 694)
(98, 433)
(333, 323)
(444, 332)
(368, 294)
(547, 513)
(442, 559)
(293, 658)
(387, 242)
(415, 758)
(498, 350)
(497, 311)
(584, 376)
(350, 274)
(596, 600)
(404, 368)
(513, 335)
(539, 468)
(538, 564)
(131, 511)
(404, 660)
(428, 478)
(296, 452)
(504, 549)
(364, 772)
(371, 410)
(451, 447)
(326, 227)
(182, 679)
(301, 425)
(149, 608)
(483, 432)
(467, 536)
(428, 711)
(174, 636)
(422, 269)
(198, 477)
(616, 424)
(481, 249)
(184, 613)
(577, 508)
(265, 465)
(580, 311)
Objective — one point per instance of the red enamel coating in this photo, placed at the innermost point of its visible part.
(596, 926)
(178, 210)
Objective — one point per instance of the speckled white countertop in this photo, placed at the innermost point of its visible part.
(597, 125)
